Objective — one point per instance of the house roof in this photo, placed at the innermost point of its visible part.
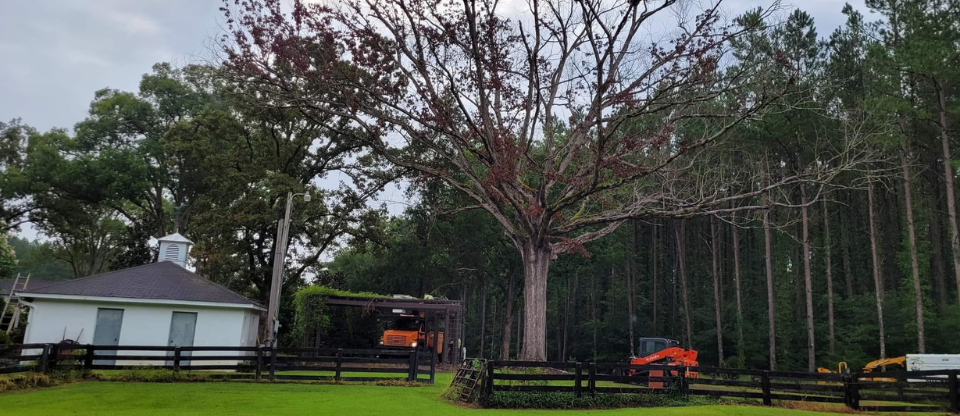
(156, 281)
(34, 283)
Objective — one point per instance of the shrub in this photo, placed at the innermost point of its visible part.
(5, 338)
(24, 382)
(153, 375)
(399, 382)
(36, 380)
(552, 400)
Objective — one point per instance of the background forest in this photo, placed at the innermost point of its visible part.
(877, 248)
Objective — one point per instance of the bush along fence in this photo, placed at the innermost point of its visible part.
(254, 363)
(904, 391)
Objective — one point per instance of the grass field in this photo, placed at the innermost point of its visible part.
(235, 398)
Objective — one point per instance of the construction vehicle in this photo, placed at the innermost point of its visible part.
(409, 331)
(882, 365)
(843, 368)
(662, 351)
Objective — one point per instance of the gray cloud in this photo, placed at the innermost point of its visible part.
(57, 53)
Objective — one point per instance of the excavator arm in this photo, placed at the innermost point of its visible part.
(883, 362)
(672, 356)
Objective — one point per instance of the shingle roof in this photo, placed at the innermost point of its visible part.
(34, 283)
(162, 281)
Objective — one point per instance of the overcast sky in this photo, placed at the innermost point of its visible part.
(54, 54)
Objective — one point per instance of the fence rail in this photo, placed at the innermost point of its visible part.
(904, 391)
(255, 363)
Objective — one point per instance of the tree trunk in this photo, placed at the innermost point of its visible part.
(519, 327)
(877, 280)
(536, 264)
(936, 242)
(771, 309)
(829, 270)
(655, 259)
(631, 266)
(914, 263)
(736, 283)
(714, 253)
(845, 257)
(948, 183)
(593, 309)
(673, 289)
(681, 260)
(566, 318)
(808, 281)
(508, 321)
(483, 320)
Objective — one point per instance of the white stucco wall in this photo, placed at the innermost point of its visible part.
(51, 321)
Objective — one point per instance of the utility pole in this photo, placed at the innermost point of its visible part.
(279, 257)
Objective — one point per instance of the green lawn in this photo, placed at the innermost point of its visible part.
(234, 398)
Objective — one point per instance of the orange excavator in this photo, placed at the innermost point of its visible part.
(662, 351)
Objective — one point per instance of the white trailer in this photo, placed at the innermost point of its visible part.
(932, 362)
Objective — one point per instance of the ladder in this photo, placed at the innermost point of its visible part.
(12, 304)
(466, 381)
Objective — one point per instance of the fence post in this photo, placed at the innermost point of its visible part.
(853, 391)
(578, 375)
(765, 385)
(592, 380)
(259, 368)
(176, 359)
(336, 375)
(954, 392)
(847, 390)
(412, 371)
(489, 384)
(273, 363)
(54, 357)
(684, 389)
(416, 365)
(88, 359)
(43, 358)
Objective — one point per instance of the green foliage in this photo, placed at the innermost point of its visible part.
(551, 400)
(39, 260)
(153, 375)
(399, 382)
(28, 381)
(8, 258)
(353, 328)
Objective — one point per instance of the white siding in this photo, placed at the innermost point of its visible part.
(51, 321)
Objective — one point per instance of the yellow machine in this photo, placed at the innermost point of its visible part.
(843, 368)
(882, 363)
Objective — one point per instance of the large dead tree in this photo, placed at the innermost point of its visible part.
(562, 119)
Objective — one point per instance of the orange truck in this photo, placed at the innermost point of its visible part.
(408, 332)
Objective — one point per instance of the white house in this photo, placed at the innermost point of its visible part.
(159, 304)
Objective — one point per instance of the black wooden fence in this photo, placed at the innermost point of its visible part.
(904, 391)
(255, 363)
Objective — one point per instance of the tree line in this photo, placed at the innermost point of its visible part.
(769, 196)
(850, 269)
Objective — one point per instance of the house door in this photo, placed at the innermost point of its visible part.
(107, 332)
(183, 325)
